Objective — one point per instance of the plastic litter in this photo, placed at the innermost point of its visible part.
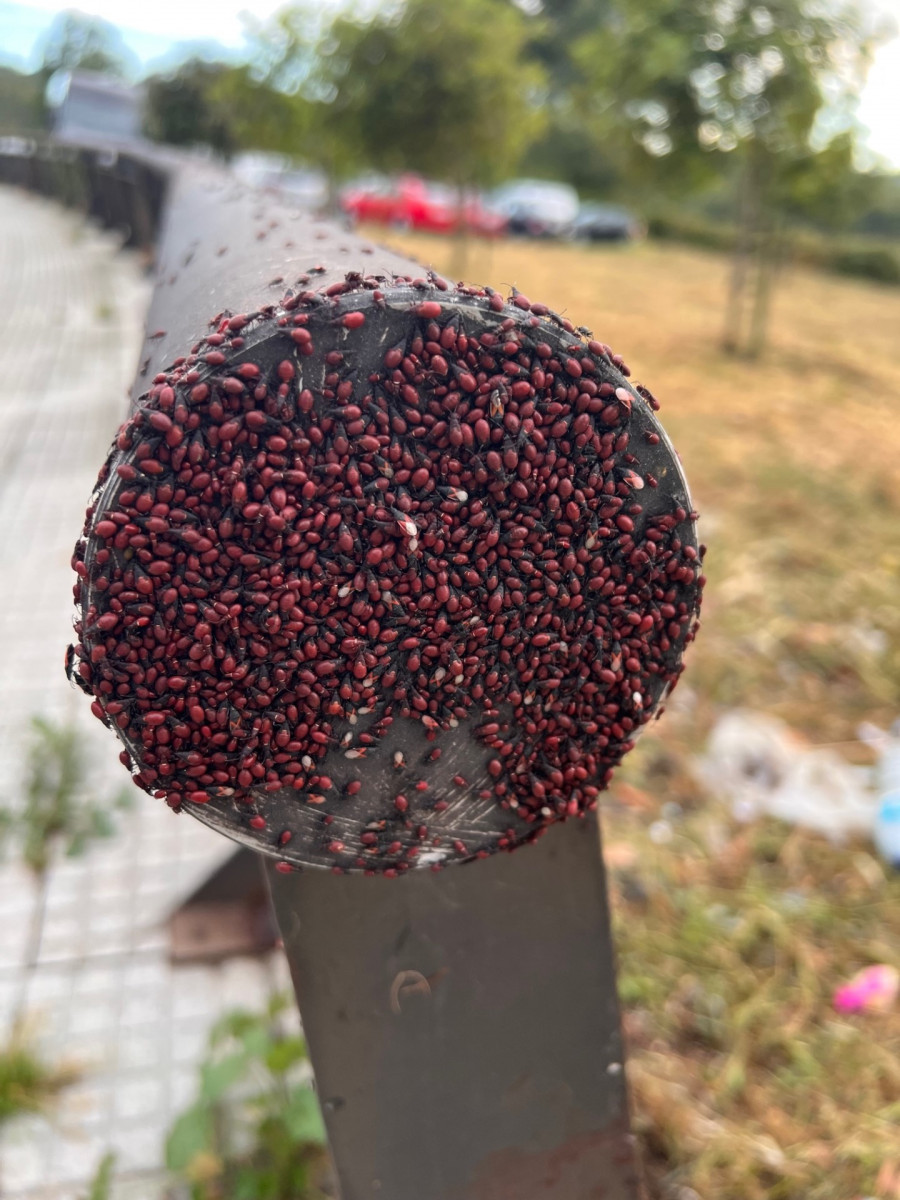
(887, 783)
(763, 767)
(873, 989)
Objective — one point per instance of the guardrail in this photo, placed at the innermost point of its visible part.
(120, 188)
(384, 575)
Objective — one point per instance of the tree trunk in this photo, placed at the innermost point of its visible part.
(747, 220)
(768, 254)
(460, 263)
(756, 258)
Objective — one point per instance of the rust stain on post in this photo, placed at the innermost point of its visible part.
(598, 1165)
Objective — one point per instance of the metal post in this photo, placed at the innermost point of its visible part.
(463, 1026)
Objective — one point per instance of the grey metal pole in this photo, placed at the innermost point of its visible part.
(464, 1027)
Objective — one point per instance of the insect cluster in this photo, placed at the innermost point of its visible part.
(381, 506)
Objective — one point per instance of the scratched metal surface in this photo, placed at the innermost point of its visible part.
(463, 1026)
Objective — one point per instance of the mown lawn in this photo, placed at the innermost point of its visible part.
(731, 938)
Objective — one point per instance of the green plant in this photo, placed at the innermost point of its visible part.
(26, 1083)
(255, 1131)
(60, 808)
(875, 263)
(101, 1184)
(862, 257)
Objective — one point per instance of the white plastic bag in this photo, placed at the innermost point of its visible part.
(761, 766)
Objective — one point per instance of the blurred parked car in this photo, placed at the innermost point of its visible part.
(410, 202)
(370, 198)
(537, 207)
(603, 223)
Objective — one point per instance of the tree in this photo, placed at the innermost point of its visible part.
(21, 102)
(222, 106)
(438, 88)
(178, 109)
(289, 56)
(703, 86)
(569, 146)
(426, 86)
(75, 40)
(555, 33)
(260, 116)
(823, 187)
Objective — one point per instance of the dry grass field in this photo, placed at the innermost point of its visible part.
(731, 938)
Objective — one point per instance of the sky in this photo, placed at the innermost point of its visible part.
(151, 29)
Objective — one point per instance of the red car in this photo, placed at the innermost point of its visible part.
(410, 202)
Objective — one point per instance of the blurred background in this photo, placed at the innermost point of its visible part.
(713, 189)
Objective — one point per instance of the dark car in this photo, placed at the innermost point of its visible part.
(604, 223)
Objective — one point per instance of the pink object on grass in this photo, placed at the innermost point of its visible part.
(873, 989)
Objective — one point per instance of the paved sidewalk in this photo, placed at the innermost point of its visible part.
(102, 993)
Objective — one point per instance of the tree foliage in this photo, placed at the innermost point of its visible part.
(179, 108)
(569, 146)
(823, 187)
(729, 86)
(287, 56)
(659, 100)
(446, 90)
(690, 82)
(21, 102)
(556, 31)
(221, 106)
(439, 88)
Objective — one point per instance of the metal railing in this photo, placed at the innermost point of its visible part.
(463, 1025)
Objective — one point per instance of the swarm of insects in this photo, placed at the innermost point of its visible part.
(376, 509)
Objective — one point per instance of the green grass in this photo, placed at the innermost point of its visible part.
(255, 1131)
(731, 941)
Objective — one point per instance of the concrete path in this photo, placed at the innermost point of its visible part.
(100, 992)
